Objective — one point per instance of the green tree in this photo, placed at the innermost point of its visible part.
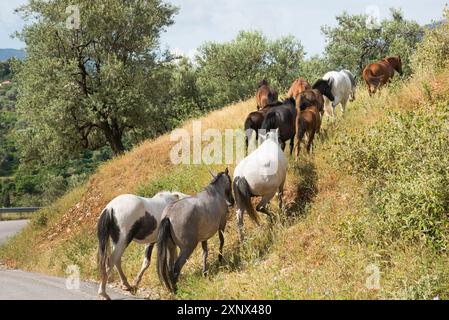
(85, 86)
(228, 72)
(354, 42)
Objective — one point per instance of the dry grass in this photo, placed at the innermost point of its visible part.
(309, 254)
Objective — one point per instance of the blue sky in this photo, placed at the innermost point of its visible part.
(220, 20)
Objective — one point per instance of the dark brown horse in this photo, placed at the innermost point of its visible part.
(380, 73)
(308, 121)
(298, 86)
(254, 121)
(282, 117)
(265, 95)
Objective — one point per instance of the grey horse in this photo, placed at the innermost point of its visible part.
(189, 221)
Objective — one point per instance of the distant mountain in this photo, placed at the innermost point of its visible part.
(435, 24)
(5, 54)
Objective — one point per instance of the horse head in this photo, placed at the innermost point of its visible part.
(228, 188)
(262, 83)
(325, 87)
(223, 180)
(396, 63)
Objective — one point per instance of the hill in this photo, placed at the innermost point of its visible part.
(6, 54)
(342, 231)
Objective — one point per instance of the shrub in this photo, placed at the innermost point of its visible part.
(433, 52)
(405, 165)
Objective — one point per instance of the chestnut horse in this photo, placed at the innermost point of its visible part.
(265, 95)
(308, 121)
(314, 96)
(380, 73)
(298, 86)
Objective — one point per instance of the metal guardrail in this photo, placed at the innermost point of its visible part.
(19, 210)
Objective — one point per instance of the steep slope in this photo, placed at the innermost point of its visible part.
(328, 245)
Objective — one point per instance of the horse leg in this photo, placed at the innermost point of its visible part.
(145, 265)
(343, 106)
(310, 141)
(239, 213)
(280, 195)
(292, 145)
(180, 262)
(221, 237)
(205, 254)
(105, 271)
(263, 202)
(118, 264)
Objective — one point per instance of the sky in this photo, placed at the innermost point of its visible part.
(220, 20)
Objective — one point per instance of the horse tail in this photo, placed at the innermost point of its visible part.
(264, 101)
(243, 197)
(370, 78)
(269, 121)
(249, 127)
(303, 104)
(164, 269)
(104, 229)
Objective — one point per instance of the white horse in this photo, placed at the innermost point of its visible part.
(353, 83)
(342, 90)
(262, 173)
(129, 218)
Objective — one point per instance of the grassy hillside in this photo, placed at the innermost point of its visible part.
(354, 206)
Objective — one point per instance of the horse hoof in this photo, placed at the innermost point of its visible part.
(104, 296)
(132, 290)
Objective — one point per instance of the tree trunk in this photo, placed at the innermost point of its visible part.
(114, 136)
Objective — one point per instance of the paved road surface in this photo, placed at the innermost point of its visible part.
(20, 285)
(10, 228)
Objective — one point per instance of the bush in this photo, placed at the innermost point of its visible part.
(433, 52)
(405, 165)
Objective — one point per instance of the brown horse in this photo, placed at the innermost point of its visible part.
(298, 86)
(308, 121)
(380, 73)
(265, 95)
(314, 97)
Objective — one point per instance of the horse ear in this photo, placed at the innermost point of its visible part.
(330, 82)
(212, 174)
(226, 171)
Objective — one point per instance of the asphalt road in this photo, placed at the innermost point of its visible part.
(20, 285)
(10, 228)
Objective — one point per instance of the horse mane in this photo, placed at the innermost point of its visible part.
(274, 104)
(319, 83)
(290, 100)
(269, 122)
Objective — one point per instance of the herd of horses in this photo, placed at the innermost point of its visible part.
(175, 220)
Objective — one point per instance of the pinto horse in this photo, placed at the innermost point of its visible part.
(129, 218)
(298, 86)
(265, 95)
(261, 174)
(380, 73)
